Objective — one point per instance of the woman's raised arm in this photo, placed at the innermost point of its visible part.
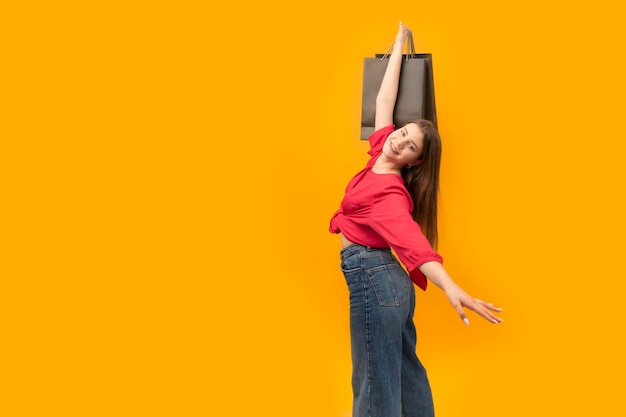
(388, 92)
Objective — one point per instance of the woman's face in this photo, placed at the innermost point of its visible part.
(404, 146)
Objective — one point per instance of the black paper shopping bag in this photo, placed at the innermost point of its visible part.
(416, 90)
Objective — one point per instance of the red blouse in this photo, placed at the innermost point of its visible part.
(376, 212)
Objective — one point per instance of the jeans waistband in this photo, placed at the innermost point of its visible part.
(355, 247)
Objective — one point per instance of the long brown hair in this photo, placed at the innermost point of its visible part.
(422, 182)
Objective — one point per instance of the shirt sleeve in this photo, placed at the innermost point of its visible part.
(392, 220)
(377, 139)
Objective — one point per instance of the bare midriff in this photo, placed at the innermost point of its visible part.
(344, 242)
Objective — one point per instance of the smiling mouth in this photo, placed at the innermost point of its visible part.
(393, 147)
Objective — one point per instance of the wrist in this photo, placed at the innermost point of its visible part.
(448, 286)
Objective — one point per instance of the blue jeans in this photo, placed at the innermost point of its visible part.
(388, 380)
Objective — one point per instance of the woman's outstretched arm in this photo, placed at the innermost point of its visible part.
(456, 296)
(388, 92)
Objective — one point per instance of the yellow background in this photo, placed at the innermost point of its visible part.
(169, 170)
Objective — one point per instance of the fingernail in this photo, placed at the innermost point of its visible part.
(466, 321)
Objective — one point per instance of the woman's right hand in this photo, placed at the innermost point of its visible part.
(403, 32)
(388, 91)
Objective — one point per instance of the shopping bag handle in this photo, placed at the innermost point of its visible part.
(410, 48)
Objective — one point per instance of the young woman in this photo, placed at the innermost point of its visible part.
(392, 203)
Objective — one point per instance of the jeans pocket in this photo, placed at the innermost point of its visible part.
(351, 268)
(351, 264)
(390, 283)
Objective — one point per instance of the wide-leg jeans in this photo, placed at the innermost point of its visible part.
(388, 380)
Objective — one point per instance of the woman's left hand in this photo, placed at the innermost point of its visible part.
(460, 299)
